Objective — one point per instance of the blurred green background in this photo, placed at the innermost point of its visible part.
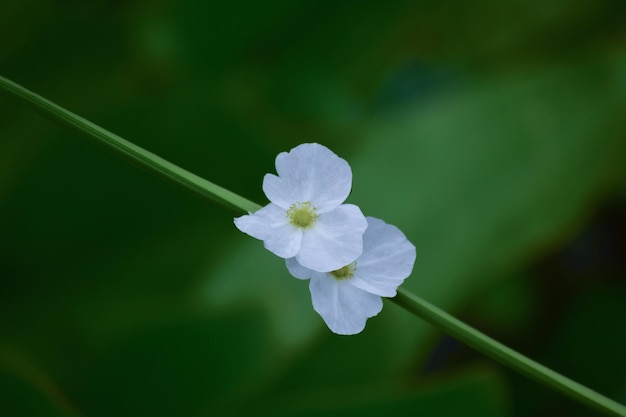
(492, 133)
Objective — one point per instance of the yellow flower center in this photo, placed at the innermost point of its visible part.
(345, 272)
(302, 214)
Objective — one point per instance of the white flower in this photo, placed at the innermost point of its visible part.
(305, 218)
(347, 297)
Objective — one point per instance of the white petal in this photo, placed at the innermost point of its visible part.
(310, 172)
(344, 308)
(271, 225)
(387, 259)
(335, 240)
(279, 192)
(297, 270)
(260, 224)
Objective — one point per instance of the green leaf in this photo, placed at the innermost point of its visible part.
(184, 365)
(478, 392)
(26, 390)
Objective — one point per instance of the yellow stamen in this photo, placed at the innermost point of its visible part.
(302, 215)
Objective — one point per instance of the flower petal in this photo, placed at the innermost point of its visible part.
(279, 192)
(387, 259)
(344, 308)
(297, 270)
(309, 172)
(271, 225)
(334, 241)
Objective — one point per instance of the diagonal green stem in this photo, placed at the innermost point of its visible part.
(505, 355)
(128, 150)
(410, 302)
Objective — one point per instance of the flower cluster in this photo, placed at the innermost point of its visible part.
(351, 260)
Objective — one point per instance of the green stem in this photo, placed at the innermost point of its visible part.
(128, 150)
(410, 302)
(506, 355)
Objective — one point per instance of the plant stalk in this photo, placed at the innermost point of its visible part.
(405, 299)
(505, 355)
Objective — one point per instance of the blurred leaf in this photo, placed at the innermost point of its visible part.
(26, 390)
(507, 306)
(262, 281)
(481, 177)
(476, 392)
(182, 366)
(485, 177)
(513, 135)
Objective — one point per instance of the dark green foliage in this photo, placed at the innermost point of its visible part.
(490, 132)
